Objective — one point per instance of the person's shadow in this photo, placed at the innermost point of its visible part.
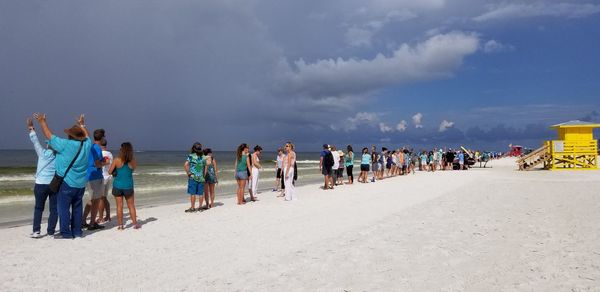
(141, 222)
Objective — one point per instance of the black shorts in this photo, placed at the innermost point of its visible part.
(364, 167)
(122, 192)
(326, 170)
(279, 173)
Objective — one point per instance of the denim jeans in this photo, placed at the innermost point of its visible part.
(42, 192)
(70, 210)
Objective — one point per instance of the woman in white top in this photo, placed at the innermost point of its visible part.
(256, 167)
(288, 172)
(278, 174)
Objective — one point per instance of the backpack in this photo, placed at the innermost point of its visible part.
(328, 159)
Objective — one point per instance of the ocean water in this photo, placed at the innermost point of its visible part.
(159, 179)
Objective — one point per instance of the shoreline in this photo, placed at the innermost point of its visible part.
(152, 204)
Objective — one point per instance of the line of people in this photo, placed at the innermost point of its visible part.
(386, 163)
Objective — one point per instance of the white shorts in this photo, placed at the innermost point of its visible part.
(96, 188)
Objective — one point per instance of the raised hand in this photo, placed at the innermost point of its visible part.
(81, 120)
(39, 117)
(30, 124)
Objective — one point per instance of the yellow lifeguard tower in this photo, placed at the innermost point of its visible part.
(575, 149)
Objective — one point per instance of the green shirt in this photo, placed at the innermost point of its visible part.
(241, 166)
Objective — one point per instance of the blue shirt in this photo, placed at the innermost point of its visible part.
(93, 172)
(366, 159)
(65, 152)
(461, 157)
(45, 164)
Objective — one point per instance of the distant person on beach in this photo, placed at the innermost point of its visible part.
(95, 182)
(108, 159)
(278, 167)
(43, 176)
(336, 165)
(340, 170)
(374, 159)
(71, 164)
(242, 165)
(256, 168)
(450, 159)
(211, 177)
(122, 169)
(365, 163)
(349, 163)
(195, 168)
(325, 165)
(461, 160)
(288, 169)
(381, 162)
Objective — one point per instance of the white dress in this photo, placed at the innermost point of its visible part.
(254, 182)
(290, 192)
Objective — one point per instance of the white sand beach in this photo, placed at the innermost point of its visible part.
(493, 229)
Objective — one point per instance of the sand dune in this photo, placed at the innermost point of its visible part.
(479, 230)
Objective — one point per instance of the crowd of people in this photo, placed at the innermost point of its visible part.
(67, 166)
(389, 163)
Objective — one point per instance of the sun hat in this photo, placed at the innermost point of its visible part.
(76, 132)
(341, 153)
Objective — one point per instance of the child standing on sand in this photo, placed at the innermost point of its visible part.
(210, 176)
(195, 168)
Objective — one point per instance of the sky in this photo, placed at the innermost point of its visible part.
(426, 73)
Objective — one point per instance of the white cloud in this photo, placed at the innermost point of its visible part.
(523, 10)
(493, 46)
(361, 118)
(401, 127)
(436, 57)
(385, 128)
(418, 120)
(445, 125)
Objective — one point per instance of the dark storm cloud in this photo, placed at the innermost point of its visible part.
(163, 74)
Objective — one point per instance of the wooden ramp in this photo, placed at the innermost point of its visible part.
(533, 159)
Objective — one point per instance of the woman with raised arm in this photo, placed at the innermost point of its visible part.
(43, 176)
(241, 166)
(288, 170)
(122, 169)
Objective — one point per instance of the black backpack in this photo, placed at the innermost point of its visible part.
(328, 159)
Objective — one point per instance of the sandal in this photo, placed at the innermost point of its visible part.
(190, 210)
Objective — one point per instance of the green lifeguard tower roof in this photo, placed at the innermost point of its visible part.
(576, 124)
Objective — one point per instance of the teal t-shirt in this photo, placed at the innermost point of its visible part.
(66, 150)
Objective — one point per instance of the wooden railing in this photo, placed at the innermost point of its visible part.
(534, 158)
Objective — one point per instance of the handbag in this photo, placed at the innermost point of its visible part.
(57, 180)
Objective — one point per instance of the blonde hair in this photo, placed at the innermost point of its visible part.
(291, 145)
